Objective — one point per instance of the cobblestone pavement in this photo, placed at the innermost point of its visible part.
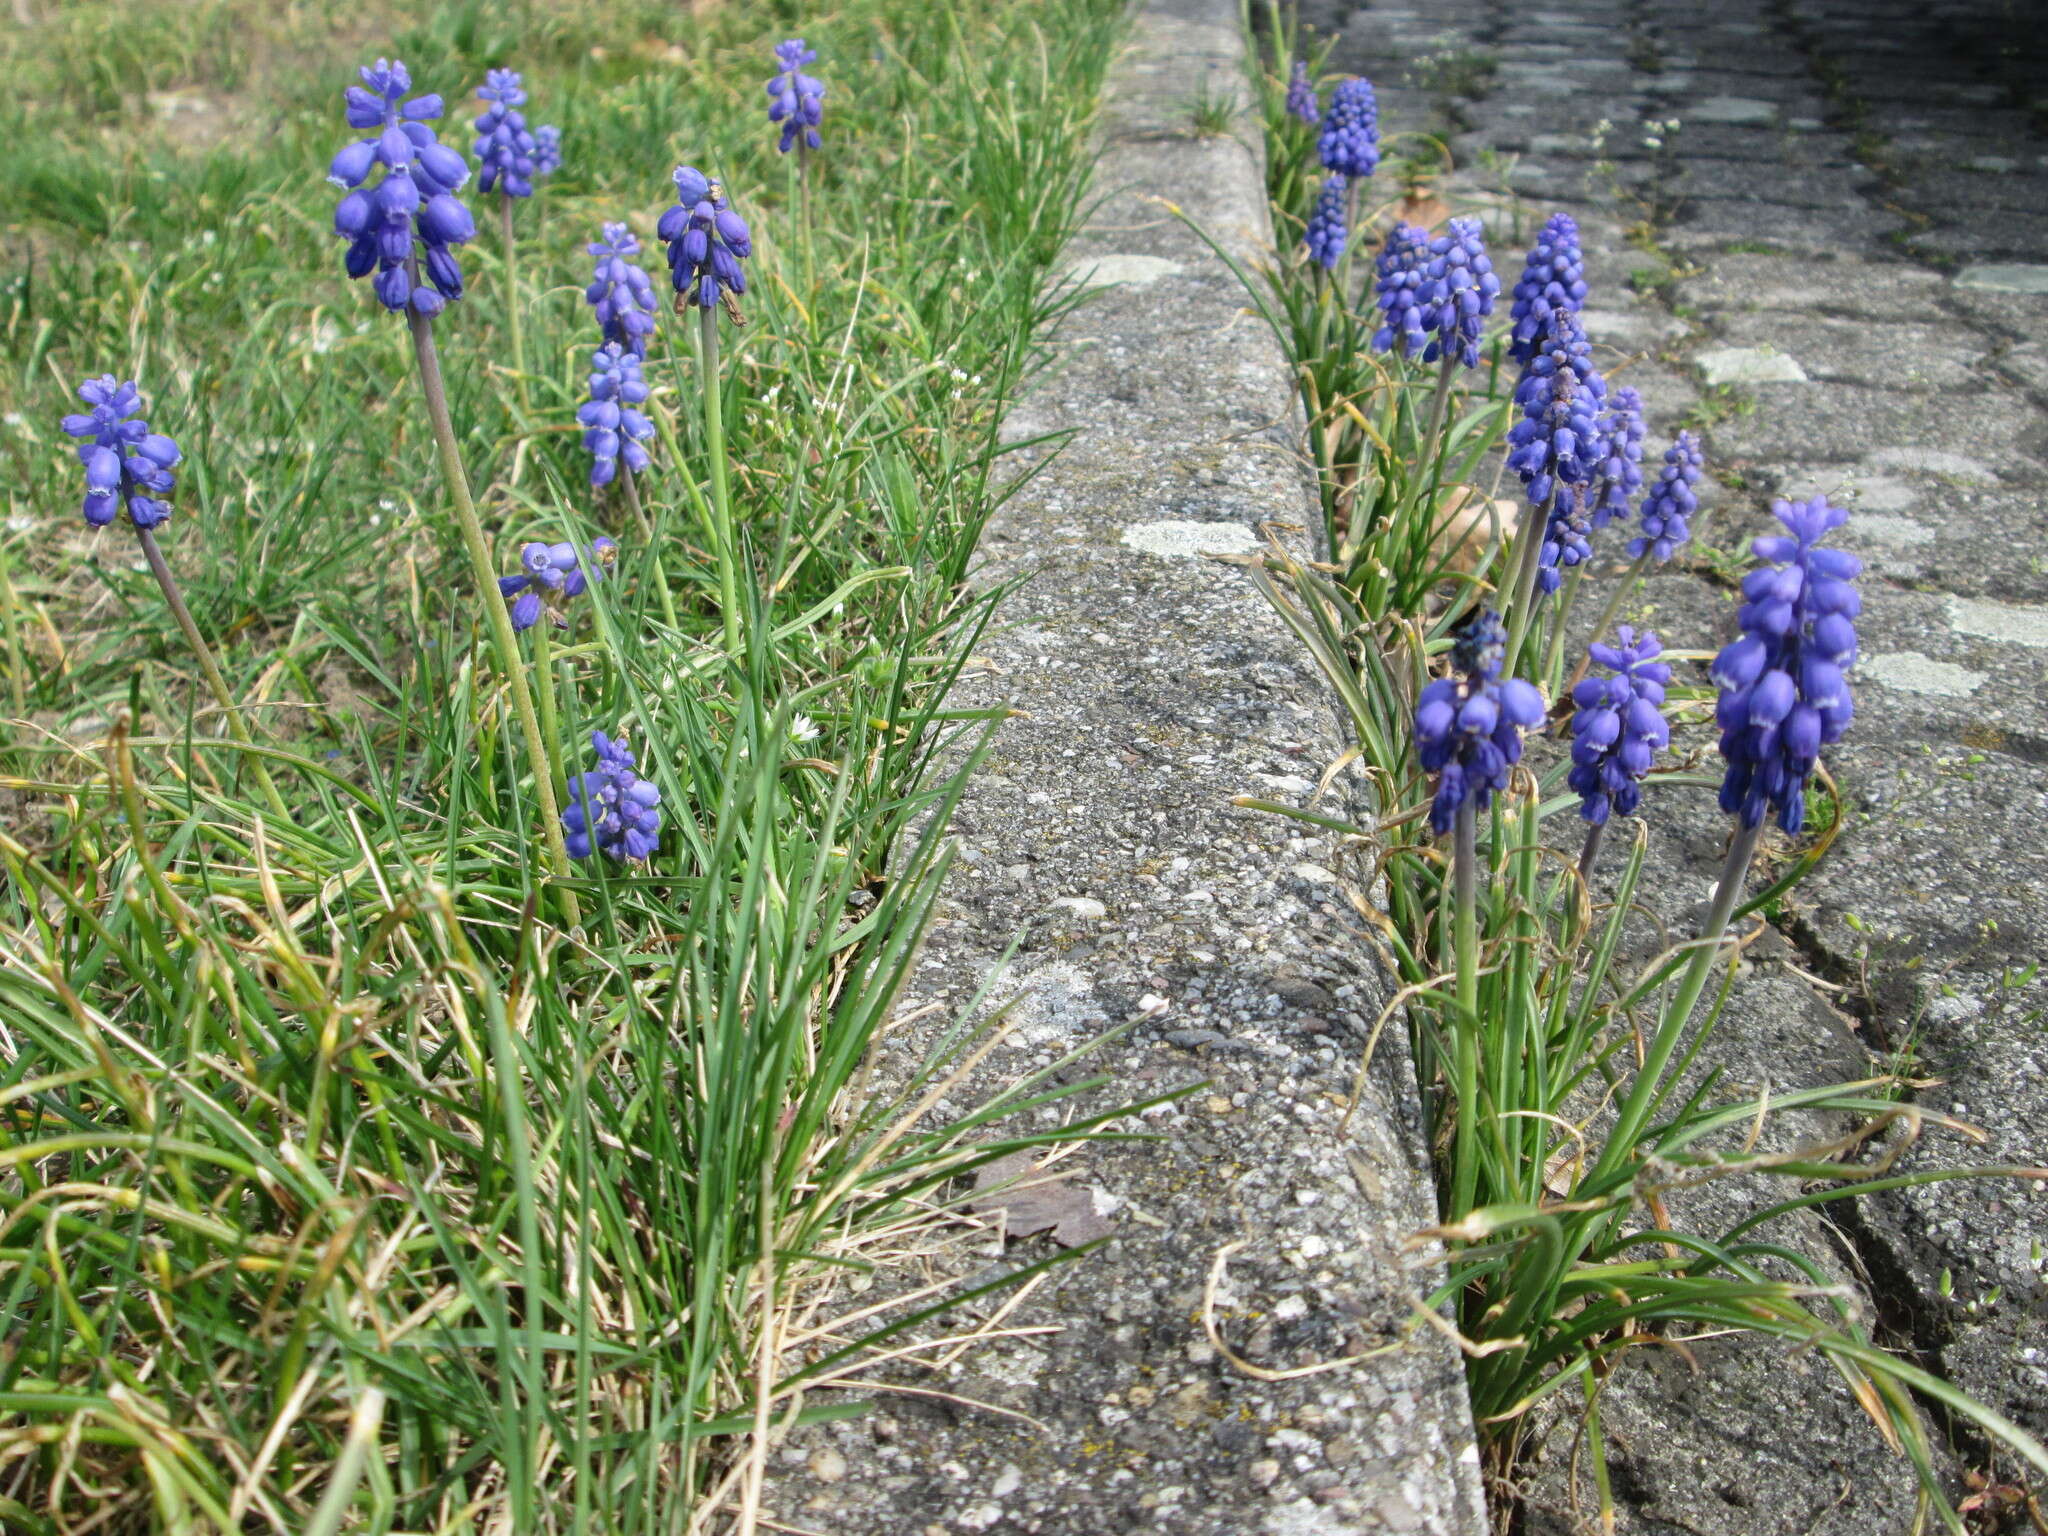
(1836, 265)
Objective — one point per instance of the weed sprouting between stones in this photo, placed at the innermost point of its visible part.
(435, 1046)
(1560, 1075)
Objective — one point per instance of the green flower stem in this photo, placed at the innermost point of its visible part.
(509, 252)
(550, 715)
(633, 502)
(1528, 560)
(1438, 401)
(1589, 854)
(803, 218)
(632, 483)
(215, 683)
(1643, 1093)
(504, 641)
(1553, 663)
(721, 487)
(1465, 1029)
(1622, 593)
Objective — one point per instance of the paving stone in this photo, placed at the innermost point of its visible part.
(1859, 290)
(1734, 110)
(2005, 277)
(1849, 421)
(1747, 365)
(1704, 224)
(1884, 356)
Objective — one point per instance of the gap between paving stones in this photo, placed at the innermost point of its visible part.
(1155, 685)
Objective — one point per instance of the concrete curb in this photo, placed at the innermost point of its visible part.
(1156, 685)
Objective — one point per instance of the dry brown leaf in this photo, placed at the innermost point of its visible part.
(1017, 1188)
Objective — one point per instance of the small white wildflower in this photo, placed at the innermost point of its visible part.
(20, 522)
(803, 728)
(387, 504)
(15, 419)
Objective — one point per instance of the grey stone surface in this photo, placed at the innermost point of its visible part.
(1155, 684)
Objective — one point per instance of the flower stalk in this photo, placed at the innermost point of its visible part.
(503, 640)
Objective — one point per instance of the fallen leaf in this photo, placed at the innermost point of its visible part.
(1017, 1188)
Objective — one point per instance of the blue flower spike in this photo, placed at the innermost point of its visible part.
(127, 466)
(403, 228)
(612, 809)
(553, 573)
(1468, 726)
(706, 240)
(1618, 725)
(1325, 236)
(1349, 143)
(1784, 684)
(795, 99)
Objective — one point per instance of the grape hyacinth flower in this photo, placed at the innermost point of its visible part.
(1671, 501)
(1301, 95)
(1618, 727)
(547, 150)
(1553, 279)
(1406, 294)
(706, 240)
(621, 294)
(127, 466)
(1325, 236)
(1468, 727)
(796, 100)
(613, 808)
(614, 426)
(1784, 688)
(505, 150)
(1463, 289)
(413, 200)
(553, 574)
(1350, 140)
(1619, 474)
(1556, 445)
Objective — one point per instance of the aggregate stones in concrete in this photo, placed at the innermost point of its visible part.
(1154, 685)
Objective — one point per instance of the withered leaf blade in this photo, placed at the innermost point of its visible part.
(1016, 1187)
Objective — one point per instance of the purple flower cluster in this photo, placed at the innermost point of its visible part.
(508, 155)
(1619, 474)
(547, 149)
(1619, 727)
(613, 424)
(1405, 293)
(126, 464)
(1784, 684)
(795, 100)
(1553, 280)
(414, 199)
(706, 240)
(553, 574)
(1326, 235)
(613, 809)
(1463, 289)
(621, 294)
(1671, 500)
(1350, 140)
(1468, 727)
(1301, 94)
(1556, 446)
